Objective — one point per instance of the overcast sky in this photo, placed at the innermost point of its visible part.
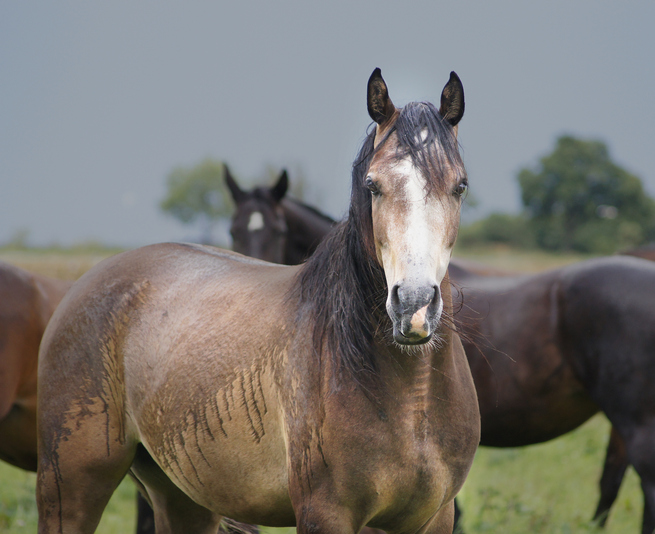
(99, 101)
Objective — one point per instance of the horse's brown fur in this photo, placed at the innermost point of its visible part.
(26, 303)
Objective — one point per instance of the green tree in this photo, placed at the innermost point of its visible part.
(198, 195)
(579, 199)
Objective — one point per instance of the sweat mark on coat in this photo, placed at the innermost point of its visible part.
(113, 387)
(250, 386)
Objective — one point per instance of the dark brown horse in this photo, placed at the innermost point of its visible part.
(555, 348)
(273, 227)
(335, 392)
(26, 304)
(534, 365)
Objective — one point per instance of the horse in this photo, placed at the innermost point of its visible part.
(26, 304)
(27, 301)
(336, 391)
(533, 381)
(550, 350)
(273, 226)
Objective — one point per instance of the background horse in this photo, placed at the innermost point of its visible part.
(26, 303)
(534, 365)
(270, 226)
(335, 391)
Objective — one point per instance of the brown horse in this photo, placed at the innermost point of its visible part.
(335, 392)
(26, 304)
(530, 361)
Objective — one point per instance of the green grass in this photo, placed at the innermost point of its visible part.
(504, 257)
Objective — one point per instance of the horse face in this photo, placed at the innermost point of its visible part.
(415, 210)
(415, 228)
(259, 228)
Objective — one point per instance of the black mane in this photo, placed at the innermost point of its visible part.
(342, 286)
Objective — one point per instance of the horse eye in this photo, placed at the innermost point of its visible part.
(461, 188)
(372, 186)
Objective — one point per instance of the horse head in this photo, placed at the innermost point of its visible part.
(258, 226)
(416, 181)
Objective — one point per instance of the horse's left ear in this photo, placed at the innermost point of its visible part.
(280, 188)
(237, 194)
(452, 100)
(380, 106)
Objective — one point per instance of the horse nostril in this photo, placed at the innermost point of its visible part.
(395, 298)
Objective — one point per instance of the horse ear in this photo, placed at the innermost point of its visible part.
(380, 106)
(237, 194)
(452, 100)
(280, 188)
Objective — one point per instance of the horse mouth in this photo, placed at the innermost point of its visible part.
(411, 338)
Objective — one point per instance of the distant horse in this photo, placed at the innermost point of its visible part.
(272, 226)
(335, 392)
(555, 348)
(533, 364)
(26, 303)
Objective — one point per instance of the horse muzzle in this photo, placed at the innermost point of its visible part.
(415, 311)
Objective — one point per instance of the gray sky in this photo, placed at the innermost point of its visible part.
(100, 100)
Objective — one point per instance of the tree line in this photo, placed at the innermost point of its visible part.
(574, 199)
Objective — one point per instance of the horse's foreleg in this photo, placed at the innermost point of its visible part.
(616, 462)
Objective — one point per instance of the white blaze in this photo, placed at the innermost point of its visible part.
(256, 221)
(419, 238)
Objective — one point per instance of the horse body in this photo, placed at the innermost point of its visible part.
(251, 414)
(527, 386)
(27, 303)
(189, 367)
(548, 351)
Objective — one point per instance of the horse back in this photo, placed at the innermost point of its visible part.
(609, 330)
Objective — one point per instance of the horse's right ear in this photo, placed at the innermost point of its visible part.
(280, 188)
(380, 106)
(237, 194)
(452, 100)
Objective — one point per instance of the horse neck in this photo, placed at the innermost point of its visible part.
(306, 229)
(346, 295)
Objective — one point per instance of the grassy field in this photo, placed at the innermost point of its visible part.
(550, 488)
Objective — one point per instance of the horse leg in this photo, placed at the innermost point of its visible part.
(459, 525)
(639, 444)
(174, 511)
(616, 462)
(77, 474)
(145, 517)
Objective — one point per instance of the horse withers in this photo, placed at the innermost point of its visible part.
(335, 392)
